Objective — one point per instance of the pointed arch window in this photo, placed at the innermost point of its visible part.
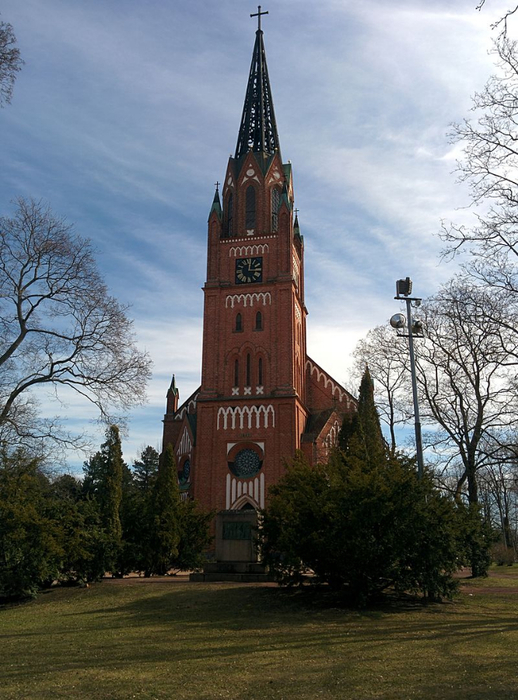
(239, 323)
(236, 373)
(250, 207)
(248, 368)
(258, 321)
(230, 215)
(260, 372)
(276, 203)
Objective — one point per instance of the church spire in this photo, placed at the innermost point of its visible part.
(258, 130)
(172, 397)
(216, 203)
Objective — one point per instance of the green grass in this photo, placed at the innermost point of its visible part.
(179, 640)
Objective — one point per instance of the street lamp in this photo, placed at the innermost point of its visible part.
(415, 327)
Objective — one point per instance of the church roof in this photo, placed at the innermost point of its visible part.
(314, 424)
(258, 130)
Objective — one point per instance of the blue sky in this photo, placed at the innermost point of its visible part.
(125, 114)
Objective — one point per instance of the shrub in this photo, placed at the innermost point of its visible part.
(502, 555)
(361, 530)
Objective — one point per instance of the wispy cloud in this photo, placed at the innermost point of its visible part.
(125, 113)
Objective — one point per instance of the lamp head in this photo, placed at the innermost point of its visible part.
(398, 321)
(404, 287)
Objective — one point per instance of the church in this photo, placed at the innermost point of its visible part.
(261, 396)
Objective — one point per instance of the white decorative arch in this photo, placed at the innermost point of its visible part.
(243, 500)
(188, 408)
(232, 417)
(248, 249)
(323, 377)
(332, 436)
(248, 299)
(241, 491)
(185, 444)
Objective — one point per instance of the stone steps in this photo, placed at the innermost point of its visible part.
(238, 571)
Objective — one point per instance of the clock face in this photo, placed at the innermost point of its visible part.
(249, 270)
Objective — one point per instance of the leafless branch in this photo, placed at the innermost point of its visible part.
(58, 324)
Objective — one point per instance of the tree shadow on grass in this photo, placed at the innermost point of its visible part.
(257, 608)
(177, 629)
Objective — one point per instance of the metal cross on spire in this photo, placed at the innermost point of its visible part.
(258, 15)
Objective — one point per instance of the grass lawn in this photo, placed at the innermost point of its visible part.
(175, 639)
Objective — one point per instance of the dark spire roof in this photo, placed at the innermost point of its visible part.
(258, 130)
(216, 203)
(172, 389)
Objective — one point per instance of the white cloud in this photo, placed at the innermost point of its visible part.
(125, 113)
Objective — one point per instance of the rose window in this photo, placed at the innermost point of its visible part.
(246, 464)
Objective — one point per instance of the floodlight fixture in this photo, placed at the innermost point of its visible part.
(415, 327)
(398, 321)
(404, 287)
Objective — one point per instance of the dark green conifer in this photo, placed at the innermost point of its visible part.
(110, 495)
(104, 474)
(165, 535)
(145, 469)
(361, 434)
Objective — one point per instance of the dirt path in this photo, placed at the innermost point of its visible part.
(463, 575)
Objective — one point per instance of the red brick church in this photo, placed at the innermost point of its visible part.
(261, 396)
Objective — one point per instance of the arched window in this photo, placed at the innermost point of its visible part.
(236, 373)
(276, 201)
(258, 321)
(250, 208)
(248, 363)
(239, 322)
(230, 215)
(260, 371)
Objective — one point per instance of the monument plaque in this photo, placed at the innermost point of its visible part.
(235, 536)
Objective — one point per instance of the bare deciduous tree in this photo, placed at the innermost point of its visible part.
(10, 62)
(465, 373)
(387, 361)
(502, 22)
(490, 167)
(499, 497)
(58, 326)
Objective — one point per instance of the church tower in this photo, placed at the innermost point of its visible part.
(261, 397)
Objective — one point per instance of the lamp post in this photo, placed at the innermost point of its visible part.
(398, 321)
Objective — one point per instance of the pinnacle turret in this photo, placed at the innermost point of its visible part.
(216, 203)
(172, 397)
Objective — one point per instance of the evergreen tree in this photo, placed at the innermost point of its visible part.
(145, 469)
(104, 475)
(93, 479)
(165, 521)
(30, 548)
(362, 529)
(81, 536)
(195, 536)
(361, 433)
(137, 512)
(362, 523)
(110, 495)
